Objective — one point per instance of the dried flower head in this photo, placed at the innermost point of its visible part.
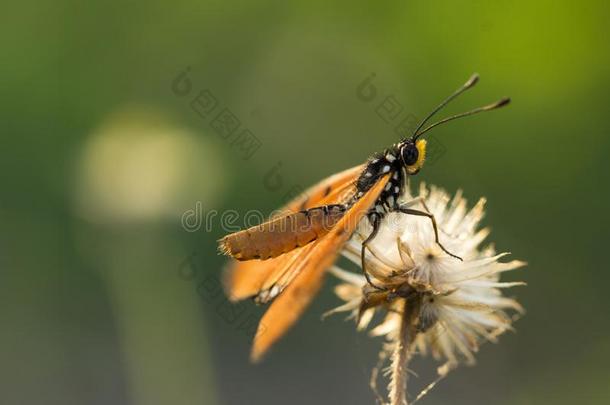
(433, 303)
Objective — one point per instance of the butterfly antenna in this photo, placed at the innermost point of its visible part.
(469, 84)
(489, 107)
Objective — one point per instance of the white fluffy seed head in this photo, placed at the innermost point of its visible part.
(462, 302)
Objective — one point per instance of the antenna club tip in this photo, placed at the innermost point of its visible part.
(472, 81)
(503, 102)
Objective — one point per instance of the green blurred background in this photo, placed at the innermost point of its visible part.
(105, 298)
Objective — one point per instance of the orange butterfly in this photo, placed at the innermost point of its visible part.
(284, 259)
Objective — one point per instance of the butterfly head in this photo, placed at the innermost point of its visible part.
(412, 150)
(413, 154)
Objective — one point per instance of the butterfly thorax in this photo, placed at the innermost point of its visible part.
(378, 166)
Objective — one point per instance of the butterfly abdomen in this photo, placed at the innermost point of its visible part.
(282, 234)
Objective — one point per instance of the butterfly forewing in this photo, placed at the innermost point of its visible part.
(306, 219)
(249, 278)
(324, 189)
(312, 263)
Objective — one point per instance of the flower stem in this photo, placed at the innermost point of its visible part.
(400, 357)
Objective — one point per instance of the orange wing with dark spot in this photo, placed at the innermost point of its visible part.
(310, 263)
(253, 277)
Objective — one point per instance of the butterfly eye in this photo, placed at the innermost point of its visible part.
(410, 154)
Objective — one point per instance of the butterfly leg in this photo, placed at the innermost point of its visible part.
(422, 202)
(414, 201)
(411, 211)
(376, 222)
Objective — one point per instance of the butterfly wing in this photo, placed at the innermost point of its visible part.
(294, 228)
(311, 264)
(256, 278)
(324, 189)
(282, 234)
(249, 278)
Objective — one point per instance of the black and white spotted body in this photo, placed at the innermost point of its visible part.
(379, 165)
